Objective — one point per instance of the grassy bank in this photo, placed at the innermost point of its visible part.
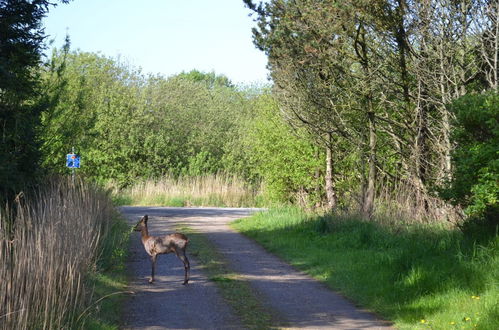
(207, 190)
(56, 252)
(417, 276)
(109, 280)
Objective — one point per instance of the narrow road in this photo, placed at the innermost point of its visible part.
(302, 302)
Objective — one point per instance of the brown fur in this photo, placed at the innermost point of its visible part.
(154, 246)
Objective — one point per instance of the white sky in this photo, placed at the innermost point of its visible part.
(164, 36)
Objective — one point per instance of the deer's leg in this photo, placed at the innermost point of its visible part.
(187, 265)
(153, 267)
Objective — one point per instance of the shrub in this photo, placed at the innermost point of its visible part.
(474, 183)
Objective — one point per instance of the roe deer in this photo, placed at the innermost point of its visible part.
(154, 246)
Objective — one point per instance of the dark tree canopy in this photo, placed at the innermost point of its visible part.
(21, 44)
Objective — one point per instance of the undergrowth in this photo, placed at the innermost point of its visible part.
(109, 280)
(418, 276)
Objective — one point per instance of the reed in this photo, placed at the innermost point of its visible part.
(401, 203)
(46, 250)
(205, 190)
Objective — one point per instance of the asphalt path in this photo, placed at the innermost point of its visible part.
(300, 301)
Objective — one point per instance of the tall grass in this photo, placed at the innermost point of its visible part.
(206, 190)
(403, 203)
(46, 251)
(420, 276)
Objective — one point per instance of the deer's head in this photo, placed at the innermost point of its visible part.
(141, 224)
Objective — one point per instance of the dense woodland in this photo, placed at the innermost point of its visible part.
(369, 102)
(387, 80)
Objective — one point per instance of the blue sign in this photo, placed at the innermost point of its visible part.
(73, 161)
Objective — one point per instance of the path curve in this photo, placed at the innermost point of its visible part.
(301, 301)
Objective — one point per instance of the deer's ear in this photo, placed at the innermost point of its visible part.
(145, 218)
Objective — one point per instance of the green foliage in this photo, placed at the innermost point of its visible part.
(21, 44)
(130, 128)
(413, 275)
(475, 180)
(369, 73)
(286, 160)
(201, 163)
(127, 126)
(211, 79)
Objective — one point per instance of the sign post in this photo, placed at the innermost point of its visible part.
(73, 162)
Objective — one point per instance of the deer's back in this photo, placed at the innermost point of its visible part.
(177, 240)
(166, 244)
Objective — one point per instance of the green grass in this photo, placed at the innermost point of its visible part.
(109, 281)
(235, 290)
(417, 276)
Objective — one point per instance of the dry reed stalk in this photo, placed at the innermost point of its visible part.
(402, 203)
(207, 190)
(46, 253)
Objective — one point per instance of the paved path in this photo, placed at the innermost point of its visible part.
(302, 302)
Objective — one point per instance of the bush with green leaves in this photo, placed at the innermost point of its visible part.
(475, 180)
(128, 126)
(285, 158)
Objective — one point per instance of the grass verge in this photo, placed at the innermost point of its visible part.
(420, 277)
(235, 290)
(109, 281)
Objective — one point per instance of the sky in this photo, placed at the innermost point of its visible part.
(164, 36)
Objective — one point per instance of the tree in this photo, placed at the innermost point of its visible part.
(21, 44)
(211, 79)
(321, 60)
(284, 158)
(378, 76)
(487, 27)
(475, 182)
(128, 126)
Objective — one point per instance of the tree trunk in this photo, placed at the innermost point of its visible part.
(446, 126)
(318, 185)
(368, 204)
(332, 198)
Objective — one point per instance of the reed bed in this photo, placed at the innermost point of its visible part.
(206, 190)
(402, 203)
(46, 250)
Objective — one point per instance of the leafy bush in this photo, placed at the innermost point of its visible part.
(284, 158)
(128, 126)
(474, 183)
